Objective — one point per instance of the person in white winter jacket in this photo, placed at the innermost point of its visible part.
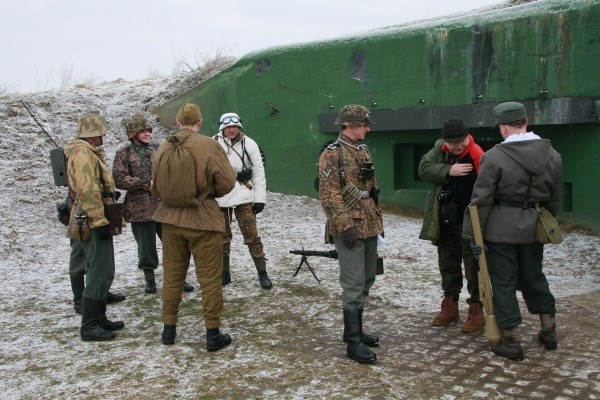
(248, 196)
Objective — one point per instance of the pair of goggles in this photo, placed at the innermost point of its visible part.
(230, 120)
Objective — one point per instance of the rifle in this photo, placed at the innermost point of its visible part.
(307, 253)
(492, 331)
(57, 155)
(329, 254)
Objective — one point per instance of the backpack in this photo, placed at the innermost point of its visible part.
(175, 175)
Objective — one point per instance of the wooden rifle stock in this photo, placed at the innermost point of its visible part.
(492, 331)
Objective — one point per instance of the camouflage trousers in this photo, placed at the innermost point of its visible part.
(246, 220)
(453, 250)
(179, 244)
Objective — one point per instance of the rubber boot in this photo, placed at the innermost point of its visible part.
(215, 340)
(475, 320)
(509, 347)
(77, 286)
(263, 277)
(449, 313)
(169, 334)
(368, 340)
(226, 277)
(547, 335)
(107, 324)
(355, 348)
(150, 278)
(90, 327)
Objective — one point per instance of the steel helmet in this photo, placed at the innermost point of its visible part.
(230, 119)
(136, 124)
(91, 125)
(353, 115)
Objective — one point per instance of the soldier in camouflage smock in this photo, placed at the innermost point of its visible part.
(348, 192)
(91, 181)
(132, 171)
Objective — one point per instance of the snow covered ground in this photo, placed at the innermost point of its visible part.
(287, 341)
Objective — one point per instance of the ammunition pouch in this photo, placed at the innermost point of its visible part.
(351, 195)
(114, 213)
(547, 229)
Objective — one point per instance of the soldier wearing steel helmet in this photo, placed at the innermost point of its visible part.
(348, 191)
(91, 181)
(132, 171)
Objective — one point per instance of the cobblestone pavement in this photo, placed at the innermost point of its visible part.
(434, 362)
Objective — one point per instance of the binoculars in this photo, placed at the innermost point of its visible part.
(366, 170)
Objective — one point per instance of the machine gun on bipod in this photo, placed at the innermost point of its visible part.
(328, 254)
(307, 253)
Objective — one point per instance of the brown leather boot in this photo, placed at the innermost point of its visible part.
(475, 320)
(449, 313)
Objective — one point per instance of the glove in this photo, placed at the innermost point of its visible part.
(476, 249)
(103, 232)
(349, 237)
(257, 207)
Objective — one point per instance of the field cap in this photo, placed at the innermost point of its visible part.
(189, 114)
(454, 130)
(509, 112)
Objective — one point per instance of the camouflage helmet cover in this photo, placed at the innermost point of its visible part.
(91, 125)
(135, 125)
(353, 115)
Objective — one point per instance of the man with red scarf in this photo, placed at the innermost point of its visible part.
(452, 165)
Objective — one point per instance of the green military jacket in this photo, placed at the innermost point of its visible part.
(432, 169)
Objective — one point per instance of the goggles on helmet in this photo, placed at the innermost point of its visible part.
(230, 120)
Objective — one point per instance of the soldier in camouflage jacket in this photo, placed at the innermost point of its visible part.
(90, 179)
(132, 171)
(348, 192)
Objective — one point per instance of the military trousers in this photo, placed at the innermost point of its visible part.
(357, 271)
(453, 251)
(77, 259)
(145, 234)
(179, 244)
(100, 266)
(515, 267)
(246, 220)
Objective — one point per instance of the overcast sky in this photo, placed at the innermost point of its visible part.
(98, 40)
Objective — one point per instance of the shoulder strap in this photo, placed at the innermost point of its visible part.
(341, 163)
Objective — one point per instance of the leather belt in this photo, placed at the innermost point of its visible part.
(515, 204)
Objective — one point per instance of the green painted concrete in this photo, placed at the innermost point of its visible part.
(539, 52)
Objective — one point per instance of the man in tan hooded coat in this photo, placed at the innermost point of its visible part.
(195, 230)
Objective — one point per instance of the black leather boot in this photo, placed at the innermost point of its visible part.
(547, 335)
(90, 327)
(169, 334)
(355, 348)
(187, 287)
(150, 278)
(114, 298)
(226, 277)
(150, 286)
(106, 323)
(510, 346)
(263, 277)
(215, 340)
(368, 340)
(77, 286)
